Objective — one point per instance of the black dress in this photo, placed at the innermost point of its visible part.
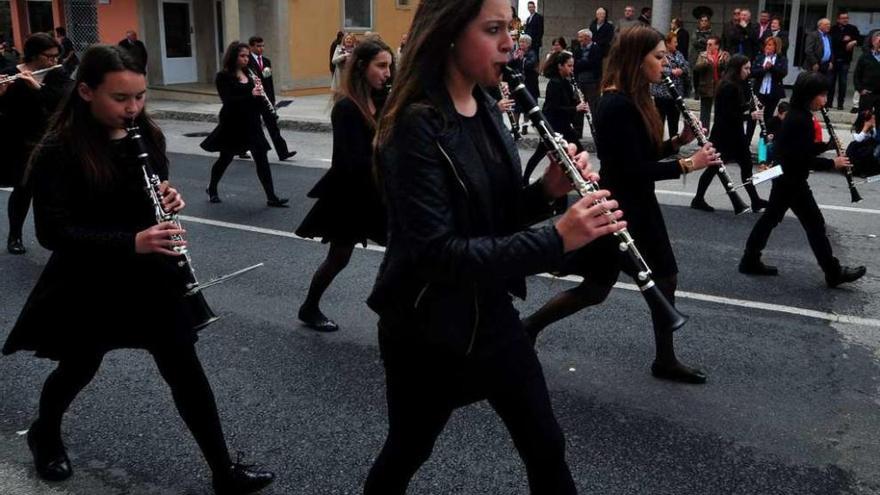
(240, 128)
(349, 208)
(95, 293)
(630, 166)
(728, 132)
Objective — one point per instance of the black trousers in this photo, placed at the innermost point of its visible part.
(17, 209)
(278, 141)
(744, 159)
(799, 198)
(264, 172)
(181, 369)
(421, 397)
(837, 81)
(669, 113)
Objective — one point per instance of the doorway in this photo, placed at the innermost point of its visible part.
(177, 41)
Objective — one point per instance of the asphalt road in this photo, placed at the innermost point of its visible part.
(792, 405)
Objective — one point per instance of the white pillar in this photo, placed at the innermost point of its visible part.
(231, 23)
(661, 14)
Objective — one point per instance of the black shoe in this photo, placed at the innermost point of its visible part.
(212, 196)
(244, 156)
(241, 479)
(840, 107)
(50, 458)
(15, 246)
(853, 110)
(285, 156)
(277, 202)
(844, 275)
(316, 320)
(759, 205)
(678, 373)
(702, 205)
(754, 266)
(525, 130)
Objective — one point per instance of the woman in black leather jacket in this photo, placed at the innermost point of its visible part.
(458, 249)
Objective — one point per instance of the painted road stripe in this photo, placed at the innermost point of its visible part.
(742, 303)
(848, 209)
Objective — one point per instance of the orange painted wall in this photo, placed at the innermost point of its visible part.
(117, 18)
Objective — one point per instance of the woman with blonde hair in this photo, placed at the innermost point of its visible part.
(340, 57)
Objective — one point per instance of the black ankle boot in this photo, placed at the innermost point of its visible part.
(678, 372)
(313, 318)
(15, 246)
(50, 458)
(844, 274)
(277, 202)
(702, 205)
(752, 265)
(241, 479)
(212, 195)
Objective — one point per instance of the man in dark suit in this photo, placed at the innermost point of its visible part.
(844, 38)
(534, 26)
(135, 47)
(866, 76)
(262, 67)
(817, 49)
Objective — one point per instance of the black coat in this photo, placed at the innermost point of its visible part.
(588, 64)
(268, 82)
(450, 267)
(731, 112)
(560, 105)
(797, 149)
(603, 37)
(838, 45)
(777, 73)
(531, 66)
(348, 208)
(534, 27)
(96, 293)
(26, 113)
(866, 75)
(684, 42)
(239, 128)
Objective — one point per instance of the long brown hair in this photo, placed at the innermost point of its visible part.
(74, 127)
(435, 25)
(623, 72)
(354, 85)
(230, 57)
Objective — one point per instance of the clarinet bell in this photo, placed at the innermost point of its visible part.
(662, 310)
(854, 195)
(196, 311)
(739, 206)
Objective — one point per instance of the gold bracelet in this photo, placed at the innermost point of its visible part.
(686, 165)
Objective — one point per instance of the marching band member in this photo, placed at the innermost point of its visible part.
(797, 151)
(448, 332)
(630, 144)
(239, 128)
(348, 210)
(92, 213)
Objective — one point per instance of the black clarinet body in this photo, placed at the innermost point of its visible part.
(511, 116)
(671, 318)
(588, 114)
(739, 207)
(838, 147)
(198, 312)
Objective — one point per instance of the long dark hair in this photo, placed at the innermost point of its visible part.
(807, 86)
(423, 66)
(863, 116)
(74, 127)
(36, 44)
(623, 72)
(354, 83)
(551, 69)
(734, 65)
(230, 56)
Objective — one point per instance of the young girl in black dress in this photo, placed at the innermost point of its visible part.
(561, 107)
(91, 211)
(240, 128)
(457, 249)
(27, 106)
(348, 210)
(629, 143)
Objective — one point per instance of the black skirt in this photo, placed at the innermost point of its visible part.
(344, 214)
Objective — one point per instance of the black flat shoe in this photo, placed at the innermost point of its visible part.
(242, 479)
(759, 205)
(289, 154)
(756, 267)
(278, 202)
(50, 458)
(678, 373)
(702, 205)
(844, 275)
(212, 196)
(316, 320)
(15, 246)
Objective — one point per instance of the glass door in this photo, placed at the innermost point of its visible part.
(178, 41)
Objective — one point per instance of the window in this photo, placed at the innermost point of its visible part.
(357, 14)
(404, 4)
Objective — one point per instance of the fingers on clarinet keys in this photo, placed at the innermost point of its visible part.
(842, 162)
(158, 239)
(584, 221)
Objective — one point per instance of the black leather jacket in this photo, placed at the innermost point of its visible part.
(449, 271)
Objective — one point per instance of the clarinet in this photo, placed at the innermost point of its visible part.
(671, 318)
(259, 84)
(739, 207)
(853, 192)
(755, 105)
(198, 313)
(511, 117)
(588, 114)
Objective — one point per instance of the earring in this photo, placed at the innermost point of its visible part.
(452, 45)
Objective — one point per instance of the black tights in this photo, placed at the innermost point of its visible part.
(264, 173)
(181, 370)
(590, 293)
(745, 168)
(337, 259)
(19, 204)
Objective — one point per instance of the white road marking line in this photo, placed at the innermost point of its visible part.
(742, 303)
(848, 209)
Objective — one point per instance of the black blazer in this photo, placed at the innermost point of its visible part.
(268, 83)
(684, 42)
(603, 36)
(777, 73)
(534, 27)
(731, 111)
(560, 106)
(588, 67)
(449, 267)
